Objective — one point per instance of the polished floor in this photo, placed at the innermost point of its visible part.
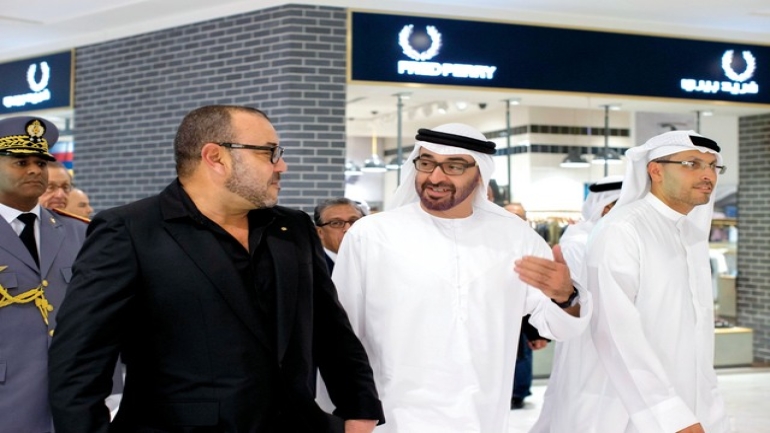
(746, 392)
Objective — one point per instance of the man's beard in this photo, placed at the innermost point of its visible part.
(255, 191)
(457, 194)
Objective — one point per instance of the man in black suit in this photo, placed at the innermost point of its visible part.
(217, 300)
(333, 218)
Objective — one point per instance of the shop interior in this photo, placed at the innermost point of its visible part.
(557, 145)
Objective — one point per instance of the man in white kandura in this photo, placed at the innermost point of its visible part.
(601, 197)
(431, 288)
(647, 267)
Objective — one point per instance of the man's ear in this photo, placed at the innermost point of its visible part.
(655, 171)
(215, 157)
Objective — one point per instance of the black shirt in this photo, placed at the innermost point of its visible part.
(256, 269)
(254, 266)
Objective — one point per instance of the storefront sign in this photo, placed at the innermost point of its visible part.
(434, 69)
(36, 84)
(424, 50)
(737, 84)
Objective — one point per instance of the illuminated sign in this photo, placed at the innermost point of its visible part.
(450, 52)
(737, 84)
(434, 69)
(39, 89)
(35, 84)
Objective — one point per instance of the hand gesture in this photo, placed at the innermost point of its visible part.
(552, 277)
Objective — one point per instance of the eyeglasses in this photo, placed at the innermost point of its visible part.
(338, 224)
(52, 187)
(696, 165)
(276, 152)
(450, 168)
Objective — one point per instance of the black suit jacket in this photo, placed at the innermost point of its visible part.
(156, 287)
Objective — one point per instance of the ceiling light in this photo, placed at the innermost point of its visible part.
(514, 101)
(611, 157)
(461, 105)
(352, 169)
(394, 164)
(442, 107)
(374, 165)
(403, 95)
(574, 160)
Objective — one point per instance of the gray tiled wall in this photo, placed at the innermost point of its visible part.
(753, 285)
(131, 94)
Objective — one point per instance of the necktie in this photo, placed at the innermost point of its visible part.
(27, 235)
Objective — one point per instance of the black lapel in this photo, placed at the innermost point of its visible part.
(284, 252)
(203, 248)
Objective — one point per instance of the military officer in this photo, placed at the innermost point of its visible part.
(37, 249)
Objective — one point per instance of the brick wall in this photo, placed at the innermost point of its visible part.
(753, 284)
(131, 94)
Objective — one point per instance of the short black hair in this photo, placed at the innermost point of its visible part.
(339, 201)
(211, 123)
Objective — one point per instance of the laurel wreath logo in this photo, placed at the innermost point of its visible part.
(751, 65)
(435, 37)
(32, 70)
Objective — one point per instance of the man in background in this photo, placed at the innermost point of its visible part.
(36, 254)
(78, 203)
(517, 209)
(59, 186)
(333, 218)
(600, 200)
(529, 340)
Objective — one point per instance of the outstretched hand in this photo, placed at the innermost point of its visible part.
(552, 277)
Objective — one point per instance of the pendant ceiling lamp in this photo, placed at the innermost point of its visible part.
(352, 169)
(607, 156)
(374, 164)
(394, 163)
(574, 159)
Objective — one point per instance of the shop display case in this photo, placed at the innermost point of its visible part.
(722, 247)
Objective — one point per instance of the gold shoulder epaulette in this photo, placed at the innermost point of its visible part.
(70, 215)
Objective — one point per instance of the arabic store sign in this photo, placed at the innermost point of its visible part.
(425, 50)
(35, 84)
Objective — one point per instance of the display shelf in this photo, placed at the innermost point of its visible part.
(724, 222)
(733, 347)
